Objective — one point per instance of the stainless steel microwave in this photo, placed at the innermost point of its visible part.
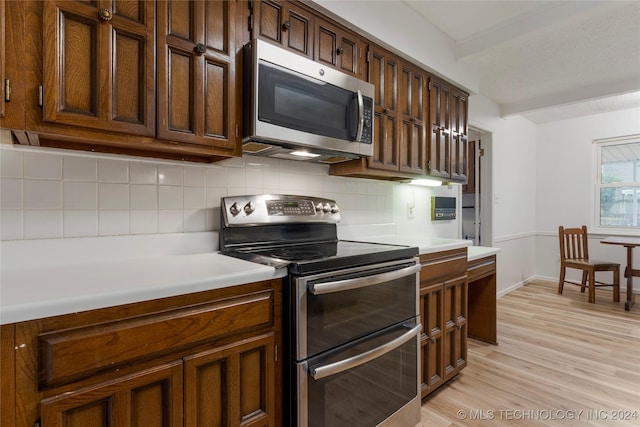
(296, 108)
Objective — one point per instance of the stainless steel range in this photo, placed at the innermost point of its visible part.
(351, 314)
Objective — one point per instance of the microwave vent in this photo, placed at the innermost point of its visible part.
(255, 147)
(335, 159)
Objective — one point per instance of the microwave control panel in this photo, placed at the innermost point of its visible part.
(367, 129)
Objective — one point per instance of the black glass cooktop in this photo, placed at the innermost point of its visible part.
(323, 256)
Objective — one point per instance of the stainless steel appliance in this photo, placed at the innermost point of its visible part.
(295, 108)
(351, 314)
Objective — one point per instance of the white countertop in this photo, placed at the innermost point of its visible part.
(477, 252)
(425, 244)
(32, 293)
(60, 276)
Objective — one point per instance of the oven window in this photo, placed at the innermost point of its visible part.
(339, 317)
(288, 99)
(367, 394)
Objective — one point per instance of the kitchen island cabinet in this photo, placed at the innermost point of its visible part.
(443, 312)
(200, 359)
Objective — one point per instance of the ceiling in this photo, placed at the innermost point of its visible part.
(546, 60)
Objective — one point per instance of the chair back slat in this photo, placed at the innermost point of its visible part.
(573, 243)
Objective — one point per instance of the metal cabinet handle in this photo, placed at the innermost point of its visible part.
(386, 110)
(340, 50)
(286, 26)
(105, 14)
(352, 362)
(7, 90)
(361, 282)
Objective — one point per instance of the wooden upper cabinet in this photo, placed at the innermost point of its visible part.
(459, 136)
(99, 65)
(412, 87)
(448, 153)
(337, 48)
(12, 67)
(285, 24)
(196, 72)
(440, 134)
(400, 113)
(3, 34)
(384, 70)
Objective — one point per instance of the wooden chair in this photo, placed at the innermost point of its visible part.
(574, 253)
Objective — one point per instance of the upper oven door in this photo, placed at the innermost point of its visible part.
(331, 309)
(302, 103)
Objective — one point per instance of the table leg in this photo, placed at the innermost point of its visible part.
(630, 297)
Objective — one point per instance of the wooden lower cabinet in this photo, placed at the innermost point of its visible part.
(208, 358)
(152, 397)
(443, 312)
(482, 316)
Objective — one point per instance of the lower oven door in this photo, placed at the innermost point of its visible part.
(373, 381)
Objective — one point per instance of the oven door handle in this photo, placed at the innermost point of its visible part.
(361, 282)
(324, 371)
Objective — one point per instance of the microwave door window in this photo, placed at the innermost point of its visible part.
(301, 103)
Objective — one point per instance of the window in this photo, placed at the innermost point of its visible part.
(618, 184)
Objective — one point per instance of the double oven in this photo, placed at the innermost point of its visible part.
(351, 316)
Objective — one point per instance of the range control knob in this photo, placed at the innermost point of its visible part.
(326, 208)
(335, 209)
(234, 209)
(319, 207)
(249, 208)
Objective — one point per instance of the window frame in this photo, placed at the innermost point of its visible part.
(598, 144)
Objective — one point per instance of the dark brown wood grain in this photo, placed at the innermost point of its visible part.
(443, 313)
(178, 346)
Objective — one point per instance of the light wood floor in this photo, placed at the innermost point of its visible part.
(560, 361)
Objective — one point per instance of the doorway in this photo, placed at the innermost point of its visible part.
(476, 194)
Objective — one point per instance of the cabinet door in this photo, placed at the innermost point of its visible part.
(459, 138)
(432, 338)
(3, 34)
(412, 132)
(99, 65)
(384, 70)
(337, 48)
(12, 68)
(151, 398)
(440, 134)
(470, 186)
(285, 24)
(232, 385)
(196, 72)
(455, 326)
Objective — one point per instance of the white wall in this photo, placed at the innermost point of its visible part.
(52, 194)
(394, 25)
(565, 182)
(513, 145)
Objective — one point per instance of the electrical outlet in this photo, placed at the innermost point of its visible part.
(410, 207)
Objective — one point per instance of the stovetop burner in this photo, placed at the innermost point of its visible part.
(297, 232)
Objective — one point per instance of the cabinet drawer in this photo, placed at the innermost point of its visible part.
(480, 268)
(439, 266)
(72, 354)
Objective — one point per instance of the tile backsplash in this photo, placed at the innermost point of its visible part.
(47, 193)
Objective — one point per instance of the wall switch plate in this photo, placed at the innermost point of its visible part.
(410, 207)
